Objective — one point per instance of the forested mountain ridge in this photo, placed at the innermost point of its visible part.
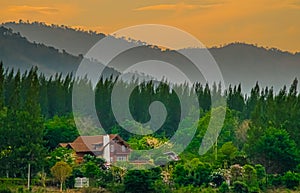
(238, 62)
(62, 37)
(18, 53)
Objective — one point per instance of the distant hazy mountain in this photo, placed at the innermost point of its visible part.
(248, 64)
(18, 53)
(72, 41)
(239, 62)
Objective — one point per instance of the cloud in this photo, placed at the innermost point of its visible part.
(33, 9)
(174, 7)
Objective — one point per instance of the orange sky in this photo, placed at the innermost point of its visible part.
(272, 23)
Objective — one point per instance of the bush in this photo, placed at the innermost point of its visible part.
(192, 189)
(217, 178)
(261, 176)
(93, 190)
(275, 180)
(5, 190)
(224, 188)
(115, 187)
(291, 180)
(250, 175)
(13, 181)
(240, 187)
(254, 189)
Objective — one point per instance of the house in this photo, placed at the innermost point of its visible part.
(172, 155)
(110, 147)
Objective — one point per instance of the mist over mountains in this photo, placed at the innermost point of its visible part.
(60, 49)
(18, 53)
(62, 37)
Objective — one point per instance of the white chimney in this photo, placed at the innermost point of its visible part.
(106, 151)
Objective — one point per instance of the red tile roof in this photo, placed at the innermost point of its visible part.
(87, 143)
(63, 144)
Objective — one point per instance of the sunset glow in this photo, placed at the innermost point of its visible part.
(270, 23)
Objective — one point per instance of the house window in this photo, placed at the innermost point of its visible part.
(123, 148)
(112, 148)
(97, 146)
(121, 158)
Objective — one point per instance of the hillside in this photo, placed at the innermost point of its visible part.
(239, 62)
(18, 53)
(61, 37)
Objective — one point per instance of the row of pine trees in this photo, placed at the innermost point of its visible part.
(29, 99)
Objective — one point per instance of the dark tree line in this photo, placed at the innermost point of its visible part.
(36, 115)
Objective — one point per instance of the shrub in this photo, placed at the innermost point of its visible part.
(13, 181)
(240, 187)
(192, 189)
(275, 180)
(291, 180)
(254, 189)
(217, 178)
(236, 171)
(261, 176)
(93, 190)
(250, 175)
(224, 188)
(5, 190)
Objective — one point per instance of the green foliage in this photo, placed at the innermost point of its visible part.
(93, 190)
(275, 180)
(291, 180)
(192, 172)
(61, 171)
(227, 153)
(21, 124)
(261, 175)
(91, 170)
(236, 172)
(140, 180)
(217, 178)
(35, 115)
(5, 190)
(274, 149)
(60, 130)
(239, 187)
(235, 99)
(250, 175)
(100, 162)
(224, 188)
(61, 154)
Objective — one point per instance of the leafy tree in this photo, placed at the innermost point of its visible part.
(275, 150)
(61, 154)
(60, 130)
(192, 172)
(140, 180)
(227, 153)
(61, 171)
(91, 169)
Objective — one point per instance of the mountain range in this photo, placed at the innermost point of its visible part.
(56, 48)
